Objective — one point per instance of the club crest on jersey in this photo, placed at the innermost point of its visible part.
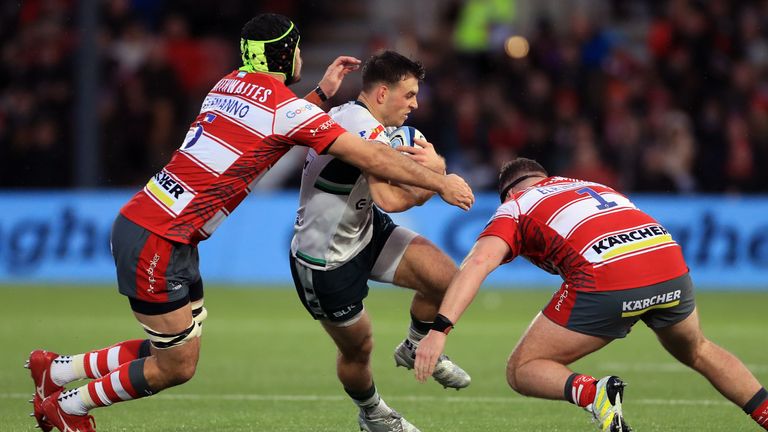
(169, 191)
(628, 242)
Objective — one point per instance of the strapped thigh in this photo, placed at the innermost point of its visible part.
(165, 341)
(391, 254)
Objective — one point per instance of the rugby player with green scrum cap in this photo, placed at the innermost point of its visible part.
(247, 122)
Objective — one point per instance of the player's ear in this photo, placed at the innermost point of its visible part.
(381, 93)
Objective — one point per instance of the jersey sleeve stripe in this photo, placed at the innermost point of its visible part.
(304, 124)
(285, 102)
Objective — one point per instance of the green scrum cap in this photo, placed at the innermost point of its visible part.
(268, 44)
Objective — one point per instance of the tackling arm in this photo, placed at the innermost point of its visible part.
(384, 162)
(394, 197)
(487, 254)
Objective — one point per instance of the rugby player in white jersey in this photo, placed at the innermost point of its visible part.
(343, 238)
(247, 122)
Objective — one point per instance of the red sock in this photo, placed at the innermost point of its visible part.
(760, 415)
(580, 389)
(101, 362)
(124, 383)
(127, 382)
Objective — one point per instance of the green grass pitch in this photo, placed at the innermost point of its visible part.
(266, 366)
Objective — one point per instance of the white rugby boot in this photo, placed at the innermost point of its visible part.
(392, 422)
(447, 373)
(606, 408)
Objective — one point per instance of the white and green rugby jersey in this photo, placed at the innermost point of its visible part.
(334, 219)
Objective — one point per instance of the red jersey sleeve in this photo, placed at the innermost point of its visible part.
(306, 124)
(505, 228)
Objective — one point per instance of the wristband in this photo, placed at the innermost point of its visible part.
(442, 324)
(321, 94)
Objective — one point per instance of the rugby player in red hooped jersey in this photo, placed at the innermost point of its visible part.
(619, 266)
(246, 123)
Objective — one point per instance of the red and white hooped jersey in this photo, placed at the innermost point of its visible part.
(589, 234)
(246, 123)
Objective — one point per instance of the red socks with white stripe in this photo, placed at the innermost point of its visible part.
(757, 408)
(118, 373)
(96, 364)
(580, 389)
(127, 382)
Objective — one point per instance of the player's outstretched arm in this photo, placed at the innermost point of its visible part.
(487, 254)
(333, 78)
(384, 162)
(395, 197)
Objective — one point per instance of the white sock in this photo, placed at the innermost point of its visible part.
(65, 369)
(381, 409)
(374, 406)
(71, 402)
(415, 336)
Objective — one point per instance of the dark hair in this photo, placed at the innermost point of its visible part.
(390, 67)
(280, 52)
(515, 171)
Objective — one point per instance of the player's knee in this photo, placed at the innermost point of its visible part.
(512, 380)
(176, 354)
(695, 353)
(178, 372)
(359, 352)
(364, 350)
(512, 368)
(689, 349)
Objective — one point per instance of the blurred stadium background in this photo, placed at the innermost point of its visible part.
(665, 100)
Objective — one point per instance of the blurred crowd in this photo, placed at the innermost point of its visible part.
(654, 96)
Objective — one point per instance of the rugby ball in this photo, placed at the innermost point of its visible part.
(404, 135)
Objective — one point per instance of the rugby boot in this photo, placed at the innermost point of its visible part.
(606, 408)
(447, 373)
(39, 365)
(392, 422)
(63, 421)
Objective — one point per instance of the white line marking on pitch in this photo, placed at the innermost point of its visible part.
(328, 398)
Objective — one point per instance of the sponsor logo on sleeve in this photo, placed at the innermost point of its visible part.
(299, 110)
(323, 127)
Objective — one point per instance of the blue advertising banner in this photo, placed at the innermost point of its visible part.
(63, 237)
